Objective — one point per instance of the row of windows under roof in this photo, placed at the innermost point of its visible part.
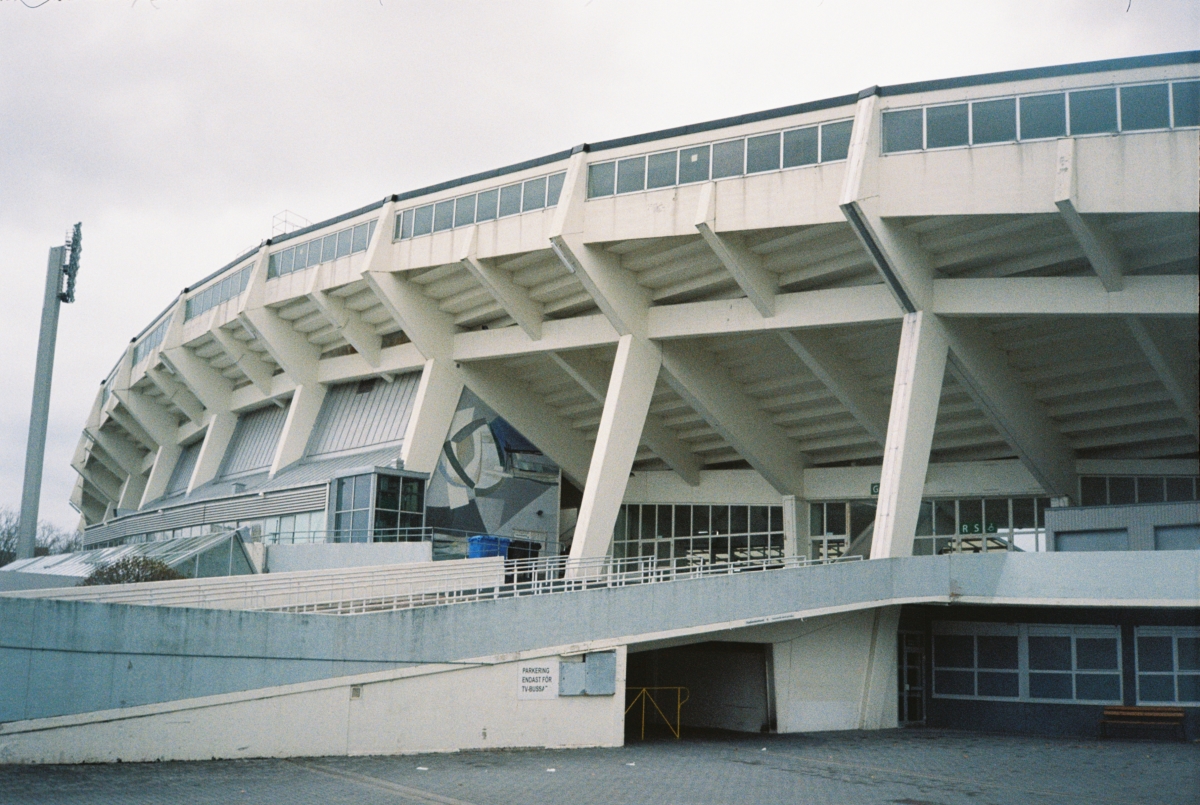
(488, 205)
(1144, 107)
(143, 348)
(793, 148)
(228, 288)
(345, 242)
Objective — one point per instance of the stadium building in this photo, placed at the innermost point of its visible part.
(502, 453)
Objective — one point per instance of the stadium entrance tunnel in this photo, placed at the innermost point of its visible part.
(711, 685)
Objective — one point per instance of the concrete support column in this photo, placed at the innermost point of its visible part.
(920, 368)
(433, 410)
(634, 374)
(160, 474)
(212, 450)
(795, 526)
(301, 416)
(880, 689)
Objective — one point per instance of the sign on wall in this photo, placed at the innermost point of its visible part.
(538, 679)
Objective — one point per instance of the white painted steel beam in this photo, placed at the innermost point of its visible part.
(819, 354)
(1098, 246)
(746, 267)
(920, 368)
(1170, 366)
(514, 299)
(626, 403)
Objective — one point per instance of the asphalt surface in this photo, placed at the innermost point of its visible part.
(893, 767)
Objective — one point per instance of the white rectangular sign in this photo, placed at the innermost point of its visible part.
(538, 679)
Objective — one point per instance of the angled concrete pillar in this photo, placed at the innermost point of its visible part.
(160, 474)
(212, 450)
(433, 409)
(634, 374)
(297, 427)
(880, 691)
(920, 368)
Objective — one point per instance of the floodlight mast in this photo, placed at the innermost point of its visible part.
(60, 288)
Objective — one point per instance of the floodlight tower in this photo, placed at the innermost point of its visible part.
(60, 287)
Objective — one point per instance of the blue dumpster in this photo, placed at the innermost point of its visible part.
(482, 545)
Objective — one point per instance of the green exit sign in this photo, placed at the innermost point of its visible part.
(875, 489)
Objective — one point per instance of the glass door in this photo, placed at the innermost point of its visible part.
(910, 666)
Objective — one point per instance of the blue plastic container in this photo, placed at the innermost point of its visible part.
(483, 545)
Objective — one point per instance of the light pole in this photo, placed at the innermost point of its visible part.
(60, 287)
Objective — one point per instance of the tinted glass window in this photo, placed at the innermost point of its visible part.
(762, 153)
(1050, 653)
(1179, 489)
(328, 248)
(1023, 514)
(1093, 491)
(1145, 107)
(554, 186)
(485, 205)
(901, 131)
(1156, 688)
(835, 518)
(631, 175)
(360, 237)
(1187, 103)
(1098, 687)
(406, 229)
(285, 262)
(1154, 654)
(1043, 116)
(800, 147)
(1094, 111)
(1189, 653)
(946, 126)
(464, 210)
(1096, 653)
(660, 170)
(1150, 490)
(1121, 490)
(955, 683)
(994, 121)
(835, 140)
(693, 164)
(510, 199)
(344, 242)
(534, 194)
(994, 684)
(1050, 686)
(602, 179)
(443, 215)
(423, 220)
(301, 259)
(728, 158)
(997, 652)
(953, 651)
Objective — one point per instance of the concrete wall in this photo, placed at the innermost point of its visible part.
(320, 556)
(431, 709)
(1139, 520)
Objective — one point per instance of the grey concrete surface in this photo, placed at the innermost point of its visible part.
(894, 767)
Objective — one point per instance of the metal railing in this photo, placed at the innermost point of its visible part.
(525, 577)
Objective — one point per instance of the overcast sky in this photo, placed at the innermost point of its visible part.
(175, 130)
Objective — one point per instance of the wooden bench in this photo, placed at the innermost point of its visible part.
(1154, 717)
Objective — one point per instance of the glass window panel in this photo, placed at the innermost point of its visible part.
(413, 495)
(997, 651)
(994, 121)
(1093, 490)
(533, 197)
(943, 517)
(953, 651)
(345, 494)
(328, 248)
(762, 153)
(1050, 653)
(1023, 515)
(1150, 490)
(359, 243)
(362, 491)
(1156, 687)
(720, 519)
(345, 240)
(835, 518)
(1050, 686)
(619, 528)
(510, 200)
(996, 515)
(835, 140)
(1093, 111)
(1043, 116)
(954, 683)
(700, 520)
(728, 158)
(631, 175)
(970, 517)
(387, 493)
(760, 520)
(661, 169)
(992, 683)
(738, 521)
(1179, 489)
(633, 516)
(300, 256)
(314, 253)
(1189, 687)
(602, 179)
(1096, 653)
(816, 519)
(443, 215)
(902, 131)
(662, 525)
(800, 147)
(862, 517)
(946, 126)
(287, 261)
(1121, 490)
(925, 519)
(693, 164)
(1145, 107)
(554, 186)
(273, 266)
(1186, 99)
(1188, 649)
(423, 222)
(1154, 654)
(407, 229)
(464, 210)
(486, 205)
(683, 521)
(359, 523)
(776, 518)
(386, 523)
(1098, 687)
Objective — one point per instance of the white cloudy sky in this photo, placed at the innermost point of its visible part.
(176, 129)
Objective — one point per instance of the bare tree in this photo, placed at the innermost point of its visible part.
(50, 538)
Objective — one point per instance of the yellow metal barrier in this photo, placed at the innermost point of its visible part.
(643, 695)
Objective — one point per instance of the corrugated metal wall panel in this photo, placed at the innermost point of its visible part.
(254, 440)
(352, 419)
(183, 469)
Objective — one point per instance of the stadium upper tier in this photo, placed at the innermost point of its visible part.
(754, 292)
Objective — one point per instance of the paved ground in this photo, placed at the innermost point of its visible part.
(910, 767)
